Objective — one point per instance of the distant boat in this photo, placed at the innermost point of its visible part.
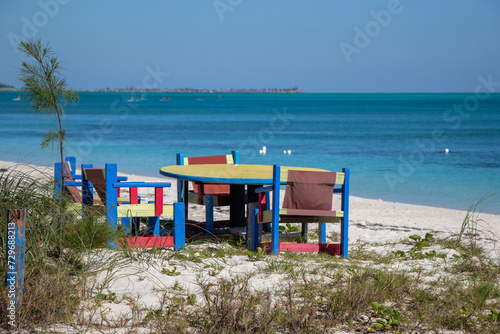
(17, 99)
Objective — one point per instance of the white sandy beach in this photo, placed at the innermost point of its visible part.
(371, 222)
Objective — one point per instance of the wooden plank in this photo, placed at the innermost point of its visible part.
(236, 157)
(344, 227)
(252, 230)
(158, 201)
(179, 226)
(134, 196)
(231, 159)
(333, 249)
(283, 175)
(16, 222)
(72, 166)
(275, 213)
(314, 219)
(339, 180)
(208, 159)
(110, 197)
(267, 217)
(75, 208)
(209, 214)
(224, 173)
(180, 183)
(87, 187)
(143, 210)
(218, 200)
(141, 184)
(185, 186)
(147, 242)
(97, 176)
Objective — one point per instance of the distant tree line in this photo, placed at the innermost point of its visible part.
(6, 86)
(188, 90)
(197, 90)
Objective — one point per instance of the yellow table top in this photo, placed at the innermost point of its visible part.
(231, 174)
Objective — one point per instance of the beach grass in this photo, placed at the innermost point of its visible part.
(51, 293)
(419, 284)
(56, 242)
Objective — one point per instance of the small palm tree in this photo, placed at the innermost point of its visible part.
(46, 89)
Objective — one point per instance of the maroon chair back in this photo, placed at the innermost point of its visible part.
(210, 189)
(307, 190)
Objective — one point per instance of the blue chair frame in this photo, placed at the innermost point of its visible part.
(152, 210)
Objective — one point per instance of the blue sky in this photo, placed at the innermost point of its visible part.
(318, 46)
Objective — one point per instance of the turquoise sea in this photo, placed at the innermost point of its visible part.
(394, 144)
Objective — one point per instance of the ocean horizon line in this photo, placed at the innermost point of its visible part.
(242, 91)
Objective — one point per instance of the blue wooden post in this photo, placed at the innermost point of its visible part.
(156, 221)
(57, 180)
(179, 226)
(111, 198)
(153, 224)
(236, 157)
(255, 230)
(275, 228)
(87, 189)
(180, 183)
(344, 227)
(209, 214)
(15, 259)
(322, 233)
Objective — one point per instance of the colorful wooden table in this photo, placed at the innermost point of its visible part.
(237, 176)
